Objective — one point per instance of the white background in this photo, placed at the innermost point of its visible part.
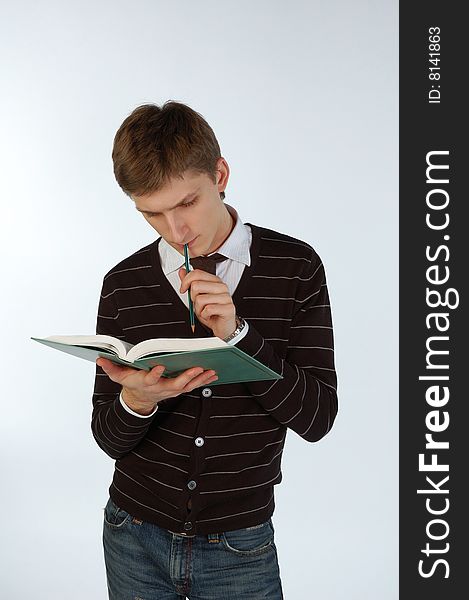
(303, 99)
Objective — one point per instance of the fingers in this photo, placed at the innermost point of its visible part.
(153, 376)
(221, 304)
(203, 379)
(193, 378)
(117, 373)
(129, 376)
(142, 380)
(208, 298)
(201, 281)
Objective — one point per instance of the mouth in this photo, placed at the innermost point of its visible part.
(190, 244)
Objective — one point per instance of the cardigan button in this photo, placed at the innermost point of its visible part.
(187, 525)
(199, 441)
(192, 485)
(206, 392)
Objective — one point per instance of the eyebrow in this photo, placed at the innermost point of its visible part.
(152, 212)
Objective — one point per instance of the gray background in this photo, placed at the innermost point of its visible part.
(303, 99)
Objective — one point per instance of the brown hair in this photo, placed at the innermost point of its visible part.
(155, 143)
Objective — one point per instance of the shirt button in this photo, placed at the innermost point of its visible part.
(206, 392)
(199, 441)
(187, 525)
(192, 485)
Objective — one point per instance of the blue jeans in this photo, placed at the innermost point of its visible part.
(145, 562)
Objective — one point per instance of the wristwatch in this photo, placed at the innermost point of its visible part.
(240, 325)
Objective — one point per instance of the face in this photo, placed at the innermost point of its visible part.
(190, 210)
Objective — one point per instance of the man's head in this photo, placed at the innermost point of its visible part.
(168, 161)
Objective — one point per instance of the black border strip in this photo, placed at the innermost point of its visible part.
(433, 272)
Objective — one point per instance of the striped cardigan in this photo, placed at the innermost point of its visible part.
(219, 446)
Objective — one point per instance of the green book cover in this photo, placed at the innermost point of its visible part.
(231, 364)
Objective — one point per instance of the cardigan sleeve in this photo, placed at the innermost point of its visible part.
(116, 430)
(305, 400)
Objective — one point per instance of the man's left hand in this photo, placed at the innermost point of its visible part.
(211, 300)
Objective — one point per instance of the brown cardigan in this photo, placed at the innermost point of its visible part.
(219, 446)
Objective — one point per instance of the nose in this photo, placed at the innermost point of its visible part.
(177, 229)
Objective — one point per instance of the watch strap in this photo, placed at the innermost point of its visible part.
(240, 324)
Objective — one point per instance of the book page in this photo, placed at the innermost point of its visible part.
(105, 342)
(173, 345)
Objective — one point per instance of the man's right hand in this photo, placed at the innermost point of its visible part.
(142, 390)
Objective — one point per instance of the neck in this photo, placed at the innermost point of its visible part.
(226, 228)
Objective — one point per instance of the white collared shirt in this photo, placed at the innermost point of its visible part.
(236, 248)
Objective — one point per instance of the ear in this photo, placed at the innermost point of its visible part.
(223, 174)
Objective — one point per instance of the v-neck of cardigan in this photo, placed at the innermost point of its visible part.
(243, 283)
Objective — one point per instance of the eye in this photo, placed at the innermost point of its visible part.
(152, 215)
(189, 203)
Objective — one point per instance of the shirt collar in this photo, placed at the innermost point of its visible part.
(235, 247)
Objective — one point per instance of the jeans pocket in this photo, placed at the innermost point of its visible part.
(250, 540)
(114, 516)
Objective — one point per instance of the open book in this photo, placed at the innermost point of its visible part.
(231, 364)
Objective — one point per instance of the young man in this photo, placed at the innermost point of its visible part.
(191, 501)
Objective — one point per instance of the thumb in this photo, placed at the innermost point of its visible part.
(182, 273)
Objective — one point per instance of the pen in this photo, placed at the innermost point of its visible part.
(191, 308)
